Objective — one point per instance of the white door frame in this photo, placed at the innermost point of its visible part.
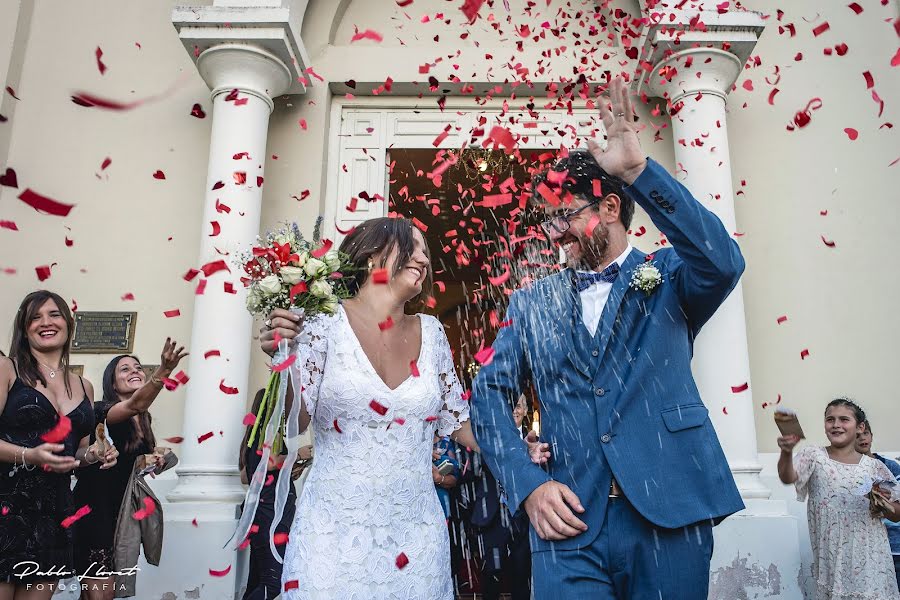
(363, 129)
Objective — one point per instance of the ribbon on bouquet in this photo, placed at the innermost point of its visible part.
(292, 444)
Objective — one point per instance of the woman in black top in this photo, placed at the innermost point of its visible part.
(127, 396)
(46, 415)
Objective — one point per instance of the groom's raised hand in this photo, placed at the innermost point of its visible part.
(548, 509)
(622, 157)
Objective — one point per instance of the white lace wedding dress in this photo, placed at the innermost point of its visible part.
(369, 523)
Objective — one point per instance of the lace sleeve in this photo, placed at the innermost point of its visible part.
(805, 466)
(309, 366)
(455, 409)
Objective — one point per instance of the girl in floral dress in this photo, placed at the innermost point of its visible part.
(851, 554)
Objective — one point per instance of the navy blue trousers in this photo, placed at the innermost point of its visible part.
(630, 559)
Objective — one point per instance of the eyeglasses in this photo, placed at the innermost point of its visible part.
(561, 222)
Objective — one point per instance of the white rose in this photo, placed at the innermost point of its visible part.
(649, 275)
(253, 300)
(330, 305)
(291, 275)
(314, 267)
(320, 288)
(282, 238)
(270, 285)
(304, 256)
(333, 261)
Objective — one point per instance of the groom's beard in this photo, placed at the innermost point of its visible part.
(593, 249)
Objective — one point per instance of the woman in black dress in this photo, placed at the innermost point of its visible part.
(46, 415)
(127, 396)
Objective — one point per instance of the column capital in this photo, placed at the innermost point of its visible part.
(686, 52)
(256, 49)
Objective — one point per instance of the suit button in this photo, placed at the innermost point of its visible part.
(595, 353)
(600, 391)
(605, 438)
(670, 209)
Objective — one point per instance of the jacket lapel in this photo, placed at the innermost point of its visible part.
(569, 321)
(616, 295)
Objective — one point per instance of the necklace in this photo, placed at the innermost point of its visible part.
(49, 368)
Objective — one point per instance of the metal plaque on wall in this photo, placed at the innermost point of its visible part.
(104, 332)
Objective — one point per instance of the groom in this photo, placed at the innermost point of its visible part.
(637, 478)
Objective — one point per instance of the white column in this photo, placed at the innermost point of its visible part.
(208, 471)
(721, 360)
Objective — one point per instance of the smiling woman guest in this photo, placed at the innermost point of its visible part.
(46, 414)
(127, 397)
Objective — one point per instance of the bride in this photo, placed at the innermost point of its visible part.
(377, 383)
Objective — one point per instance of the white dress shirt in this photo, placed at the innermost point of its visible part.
(593, 299)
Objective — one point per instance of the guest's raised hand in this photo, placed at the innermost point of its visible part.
(282, 322)
(623, 156)
(537, 450)
(46, 457)
(787, 442)
(549, 508)
(171, 355)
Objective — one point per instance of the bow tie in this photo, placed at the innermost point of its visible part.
(586, 280)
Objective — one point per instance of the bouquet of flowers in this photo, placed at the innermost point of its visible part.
(284, 270)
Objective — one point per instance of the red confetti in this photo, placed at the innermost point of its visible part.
(402, 561)
(293, 584)
(592, 224)
(597, 188)
(386, 324)
(803, 354)
(201, 287)
(174, 440)
(440, 138)
(772, 96)
(45, 204)
(896, 58)
(214, 267)
(43, 272)
(204, 437)
(159, 175)
(495, 200)
(218, 185)
(303, 124)
(240, 177)
(855, 7)
(381, 409)
(737, 389)
(89, 100)
(420, 225)
(368, 34)
(106, 162)
(226, 389)
(249, 419)
(322, 250)
(216, 228)
(781, 319)
(380, 276)
(470, 8)
(221, 573)
(485, 356)
(210, 353)
(181, 377)
(172, 313)
(820, 29)
(69, 521)
(280, 538)
(404, 3)
(870, 82)
(413, 369)
(128, 296)
(284, 365)
(222, 208)
(336, 428)
(9, 178)
(851, 133)
(547, 194)
(502, 277)
(99, 53)
(725, 410)
(197, 111)
(828, 243)
(59, 432)
(748, 85)
(149, 509)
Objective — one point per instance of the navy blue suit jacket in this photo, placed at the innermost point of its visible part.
(622, 403)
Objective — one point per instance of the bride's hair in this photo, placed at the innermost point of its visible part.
(372, 241)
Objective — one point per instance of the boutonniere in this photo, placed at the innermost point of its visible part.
(646, 277)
